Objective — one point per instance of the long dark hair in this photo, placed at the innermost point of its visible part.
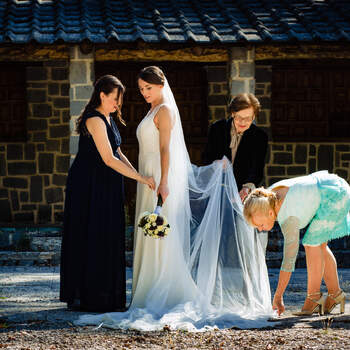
(152, 75)
(105, 84)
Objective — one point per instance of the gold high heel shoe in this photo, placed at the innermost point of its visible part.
(339, 299)
(319, 308)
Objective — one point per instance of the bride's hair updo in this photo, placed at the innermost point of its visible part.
(259, 200)
(152, 75)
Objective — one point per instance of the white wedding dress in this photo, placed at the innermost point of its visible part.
(161, 278)
(210, 271)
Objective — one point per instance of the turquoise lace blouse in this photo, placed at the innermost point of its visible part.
(319, 199)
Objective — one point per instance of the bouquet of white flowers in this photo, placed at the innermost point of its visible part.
(153, 224)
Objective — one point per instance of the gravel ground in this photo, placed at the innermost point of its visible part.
(31, 317)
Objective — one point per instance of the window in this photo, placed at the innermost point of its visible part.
(310, 102)
(13, 106)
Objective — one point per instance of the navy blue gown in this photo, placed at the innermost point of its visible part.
(93, 244)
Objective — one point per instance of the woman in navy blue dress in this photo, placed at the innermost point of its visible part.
(93, 244)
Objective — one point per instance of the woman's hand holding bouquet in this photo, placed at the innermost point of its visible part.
(154, 224)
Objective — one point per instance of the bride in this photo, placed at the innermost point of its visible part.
(210, 270)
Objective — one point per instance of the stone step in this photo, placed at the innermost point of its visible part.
(42, 238)
(46, 244)
(274, 259)
(20, 238)
(40, 231)
(12, 258)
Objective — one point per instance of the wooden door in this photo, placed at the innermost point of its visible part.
(339, 103)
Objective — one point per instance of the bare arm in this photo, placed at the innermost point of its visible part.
(124, 159)
(97, 129)
(283, 281)
(290, 229)
(163, 122)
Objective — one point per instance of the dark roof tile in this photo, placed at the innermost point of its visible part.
(199, 21)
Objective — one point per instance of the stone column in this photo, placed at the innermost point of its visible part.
(263, 77)
(218, 98)
(81, 79)
(242, 73)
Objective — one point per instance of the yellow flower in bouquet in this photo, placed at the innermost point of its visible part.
(152, 217)
(154, 224)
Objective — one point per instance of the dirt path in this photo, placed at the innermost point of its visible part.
(31, 317)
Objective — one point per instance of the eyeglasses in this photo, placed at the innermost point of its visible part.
(245, 120)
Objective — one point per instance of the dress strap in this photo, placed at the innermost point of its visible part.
(157, 108)
(93, 113)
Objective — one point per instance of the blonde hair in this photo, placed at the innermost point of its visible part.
(259, 200)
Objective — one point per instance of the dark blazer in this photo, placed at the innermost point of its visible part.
(250, 157)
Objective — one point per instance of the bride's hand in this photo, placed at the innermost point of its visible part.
(163, 190)
(149, 181)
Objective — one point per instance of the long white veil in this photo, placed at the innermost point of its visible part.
(224, 261)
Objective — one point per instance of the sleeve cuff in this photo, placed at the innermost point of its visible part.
(287, 270)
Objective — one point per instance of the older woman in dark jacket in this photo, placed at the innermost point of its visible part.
(241, 141)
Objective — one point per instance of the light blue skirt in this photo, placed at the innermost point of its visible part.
(332, 219)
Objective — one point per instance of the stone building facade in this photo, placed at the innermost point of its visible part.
(59, 82)
(33, 171)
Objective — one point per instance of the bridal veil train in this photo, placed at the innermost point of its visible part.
(210, 270)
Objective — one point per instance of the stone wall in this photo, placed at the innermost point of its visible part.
(297, 159)
(33, 173)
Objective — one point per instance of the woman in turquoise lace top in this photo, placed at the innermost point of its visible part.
(320, 200)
